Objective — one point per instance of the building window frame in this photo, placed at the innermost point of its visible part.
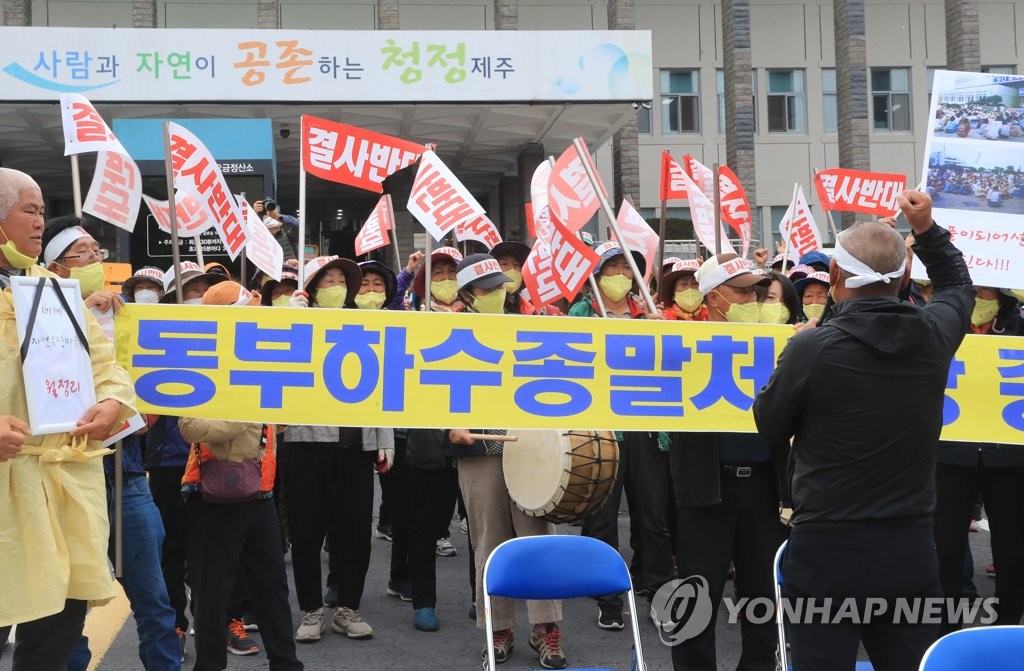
(680, 104)
(786, 102)
(891, 108)
(829, 101)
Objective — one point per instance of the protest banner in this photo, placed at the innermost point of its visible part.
(859, 191)
(798, 227)
(480, 229)
(974, 170)
(192, 217)
(572, 261)
(115, 194)
(638, 234)
(262, 248)
(734, 206)
(350, 155)
(672, 185)
(196, 173)
(701, 175)
(572, 196)
(424, 369)
(374, 232)
(438, 199)
(702, 212)
(84, 128)
(55, 363)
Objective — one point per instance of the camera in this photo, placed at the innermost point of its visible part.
(285, 131)
(269, 203)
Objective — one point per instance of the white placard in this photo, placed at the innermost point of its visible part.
(56, 366)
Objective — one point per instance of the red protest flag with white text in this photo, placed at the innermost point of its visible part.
(192, 216)
(702, 176)
(374, 233)
(638, 235)
(572, 261)
(539, 277)
(115, 194)
(702, 212)
(84, 128)
(197, 174)
(262, 249)
(672, 186)
(859, 191)
(734, 205)
(799, 226)
(438, 199)
(350, 155)
(571, 196)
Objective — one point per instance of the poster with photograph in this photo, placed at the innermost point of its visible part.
(974, 168)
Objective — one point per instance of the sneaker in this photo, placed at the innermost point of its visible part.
(331, 596)
(445, 548)
(383, 531)
(548, 646)
(610, 617)
(464, 526)
(504, 643)
(425, 619)
(181, 638)
(400, 589)
(990, 572)
(975, 526)
(347, 621)
(239, 642)
(313, 625)
(249, 620)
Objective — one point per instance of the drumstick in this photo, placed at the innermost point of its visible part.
(496, 438)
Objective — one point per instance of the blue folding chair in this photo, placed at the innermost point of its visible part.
(977, 649)
(557, 567)
(781, 659)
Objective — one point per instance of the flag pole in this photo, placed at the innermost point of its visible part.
(590, 278)
(606, 206)
(718, 211)
(427, 270)
(76, 185)
(243, 268)
(785, 249)
(828, 213)
(172, 213)
(301, 251)
(118, 510)
(199, 251)
(394, 234)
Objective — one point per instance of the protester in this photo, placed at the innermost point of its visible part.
(69, 251)
(863, 477)
(679, 291)
(228, 488)
(405, 278)
(53, 507)
(493, 517)
(278, 292)
(145, 286)
(779, 303)
(812, 291)
(616, 284)
(728, 489)
(283, 227)
(444, 290)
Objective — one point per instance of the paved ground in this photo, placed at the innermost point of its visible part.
(396, 646)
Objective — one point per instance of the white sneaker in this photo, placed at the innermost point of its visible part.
(464, 526)
(313, 625)
(347, 621)
(445, 548)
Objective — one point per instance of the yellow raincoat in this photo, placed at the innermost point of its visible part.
(53, 508)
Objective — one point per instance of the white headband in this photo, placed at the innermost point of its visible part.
(484, 268)
(862, 274)
(62, 241)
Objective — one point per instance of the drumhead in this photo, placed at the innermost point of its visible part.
(536, 469)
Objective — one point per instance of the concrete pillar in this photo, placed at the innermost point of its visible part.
(268, 14)
(625, 149)
(739, 103)
(387, 14)
(530, 157)
(17, 12)
(511, 202)
(144, 14)
(963, 43)
(506, 14)
(852, 90)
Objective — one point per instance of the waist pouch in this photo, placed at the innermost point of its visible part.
(230, 481)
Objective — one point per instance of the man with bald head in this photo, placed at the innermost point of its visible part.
(53, 504)
(861, 397)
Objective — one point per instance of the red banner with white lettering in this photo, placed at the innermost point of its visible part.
(115, 194)
(702, 176)
(571, 196)
(197, 174)
(438, 199)
(478, 228)
(672, 186)
(638, 235)
(350, 155)
(558, 269)
(859, 191)
(734, 206)
(263, 249)
(192, 216)
(702, 212)
(374, 233)
(84, 128)
(798, 224)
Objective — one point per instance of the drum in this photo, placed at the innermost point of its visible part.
(561, 476)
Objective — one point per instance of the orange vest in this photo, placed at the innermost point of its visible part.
(268, 463)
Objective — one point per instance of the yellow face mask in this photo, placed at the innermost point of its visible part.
(492, 303)
(331, 297)
(91, 278)
(371, 300)
(14, 257)
(281, 301)
(773, 313)
(985, 310)
(814, 310)
(689, 300)
(615, 287)
(742, 313)
(445, 291)
(516, 283)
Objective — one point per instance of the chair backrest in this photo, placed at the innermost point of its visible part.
(977, 649)
(555, 567)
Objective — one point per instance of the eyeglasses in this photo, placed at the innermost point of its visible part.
(102, 253)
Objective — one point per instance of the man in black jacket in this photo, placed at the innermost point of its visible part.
(862, 397)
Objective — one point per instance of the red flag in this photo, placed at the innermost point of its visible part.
(374, 233)
(571, 195)
(702, 176)
(116, 191)
(531, 227)
(191, 216)
(349, 155)
(734, 205)
(438, 199)
(637, 234)
(859, 191)
(84, 128)
(702, 211)
(672, 186)
(572, 261)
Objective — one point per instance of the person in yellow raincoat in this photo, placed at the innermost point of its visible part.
(53, 510)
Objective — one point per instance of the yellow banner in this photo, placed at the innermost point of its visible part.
(414, 369)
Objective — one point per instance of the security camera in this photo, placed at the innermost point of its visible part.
(285, 131)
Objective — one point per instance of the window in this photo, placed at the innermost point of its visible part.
(786, 106)
(1000, 69)
(720, 89)
(931, 80)
(643, 118)
(680, 101)
(890, 98)
(829, 100)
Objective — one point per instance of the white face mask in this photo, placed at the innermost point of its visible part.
(193, 301)
(146, 296)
